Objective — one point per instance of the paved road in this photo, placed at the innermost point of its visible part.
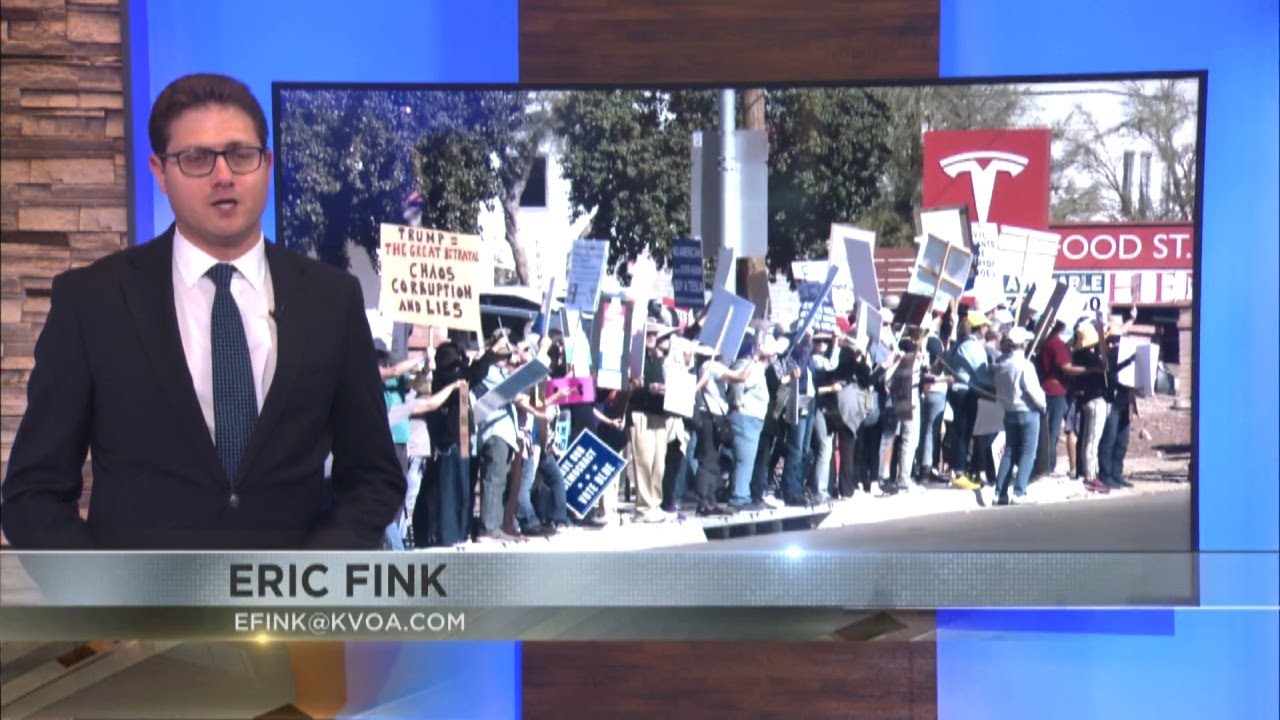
(1152, 522)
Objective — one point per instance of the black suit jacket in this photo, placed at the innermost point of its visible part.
(110, 377)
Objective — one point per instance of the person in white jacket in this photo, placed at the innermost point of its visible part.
(1018, 389)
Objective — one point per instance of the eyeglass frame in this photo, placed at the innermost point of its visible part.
(224, 154)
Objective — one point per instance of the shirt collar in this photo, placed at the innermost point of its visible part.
(192, 262)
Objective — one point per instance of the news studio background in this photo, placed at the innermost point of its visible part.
(1177, 620)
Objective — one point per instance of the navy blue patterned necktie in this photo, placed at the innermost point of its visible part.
(235, 401)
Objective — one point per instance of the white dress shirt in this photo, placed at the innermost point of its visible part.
(193, 293)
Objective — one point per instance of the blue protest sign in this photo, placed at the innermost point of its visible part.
(819, 301)
(589, 467)
(688, 285)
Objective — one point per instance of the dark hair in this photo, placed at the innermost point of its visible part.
(200, 90)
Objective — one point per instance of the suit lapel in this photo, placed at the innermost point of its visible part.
(291, 339)
(148, 291)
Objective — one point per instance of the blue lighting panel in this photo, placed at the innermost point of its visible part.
(1065, 664)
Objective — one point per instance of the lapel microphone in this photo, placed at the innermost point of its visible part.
(276, 313)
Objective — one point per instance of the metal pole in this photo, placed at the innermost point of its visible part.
(729, 231)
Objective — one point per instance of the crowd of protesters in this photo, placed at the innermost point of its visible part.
(797, 419)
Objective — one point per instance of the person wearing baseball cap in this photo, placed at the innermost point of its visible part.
(971, 375)
(1090, 389)
(1020, 395)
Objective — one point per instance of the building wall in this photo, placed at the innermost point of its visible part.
(62, 176)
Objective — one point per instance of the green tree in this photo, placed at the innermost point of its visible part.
(827, 151)
(346, 161)
(626, 155)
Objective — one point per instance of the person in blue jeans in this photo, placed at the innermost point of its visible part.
(1019, 392)
(750, 406)
(1114, 444)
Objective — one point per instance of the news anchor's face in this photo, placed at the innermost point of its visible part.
(218, 209)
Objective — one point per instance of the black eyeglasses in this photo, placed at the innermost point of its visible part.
(199, 162)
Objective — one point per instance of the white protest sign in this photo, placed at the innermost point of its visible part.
(680, 385)
(949, 224)
(429, 277)
(643, 274)
(500, 396)
(724, 268)
(1148, 361)
(1128, 375)
(844, 293)
(941, 270)
(860, 260)
(725, 326)
(586, 272)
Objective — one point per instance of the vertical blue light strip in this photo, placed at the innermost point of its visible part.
(1218, 662)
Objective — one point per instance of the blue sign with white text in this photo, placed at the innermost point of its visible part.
(688, 286)
(589, 468)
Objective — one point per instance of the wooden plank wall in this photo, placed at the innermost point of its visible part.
(62, 166)
(811, 680)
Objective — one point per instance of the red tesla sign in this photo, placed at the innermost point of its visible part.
(1001, 175)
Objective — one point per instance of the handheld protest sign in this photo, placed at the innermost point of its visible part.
(688, 284)
(724, 268)
(859, 254)
(811, 276)
(725, 326)
(582, 390)
(912, 309)
(610, 333)
(950, 223)
(589, 467)
(941, 269)
(807, 320)
(532, 373)
(429, 277)
(586, 273)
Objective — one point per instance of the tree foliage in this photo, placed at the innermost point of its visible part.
(827, 151)
(1090, 179)
(626, 155)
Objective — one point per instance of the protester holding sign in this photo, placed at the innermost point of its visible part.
(1022, 399)
(970, 375)
(750, 406)
(711, 421)
(1090, 390)
(647, 426)
(1122, 403)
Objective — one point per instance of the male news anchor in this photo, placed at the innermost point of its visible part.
(209, 372)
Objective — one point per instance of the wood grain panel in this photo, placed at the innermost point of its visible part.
(808, 680)
(734, 41)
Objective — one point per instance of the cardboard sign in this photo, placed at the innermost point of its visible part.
(941, 270)
(687, 282)
(859, 253)
(589, 467)
(844, 296)
(1146, 369)
(681, 386)
(500, 396)
(949, 223)
(724, 268)
(1050, 315)
(610, 335)
(429, 277)
(1025, 253)
(586, 272)
(582, 390)
(543, 321)
(726, 323)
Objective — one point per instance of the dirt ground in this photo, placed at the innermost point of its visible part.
(1160, 439)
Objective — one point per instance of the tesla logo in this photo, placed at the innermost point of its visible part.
(983, 179)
